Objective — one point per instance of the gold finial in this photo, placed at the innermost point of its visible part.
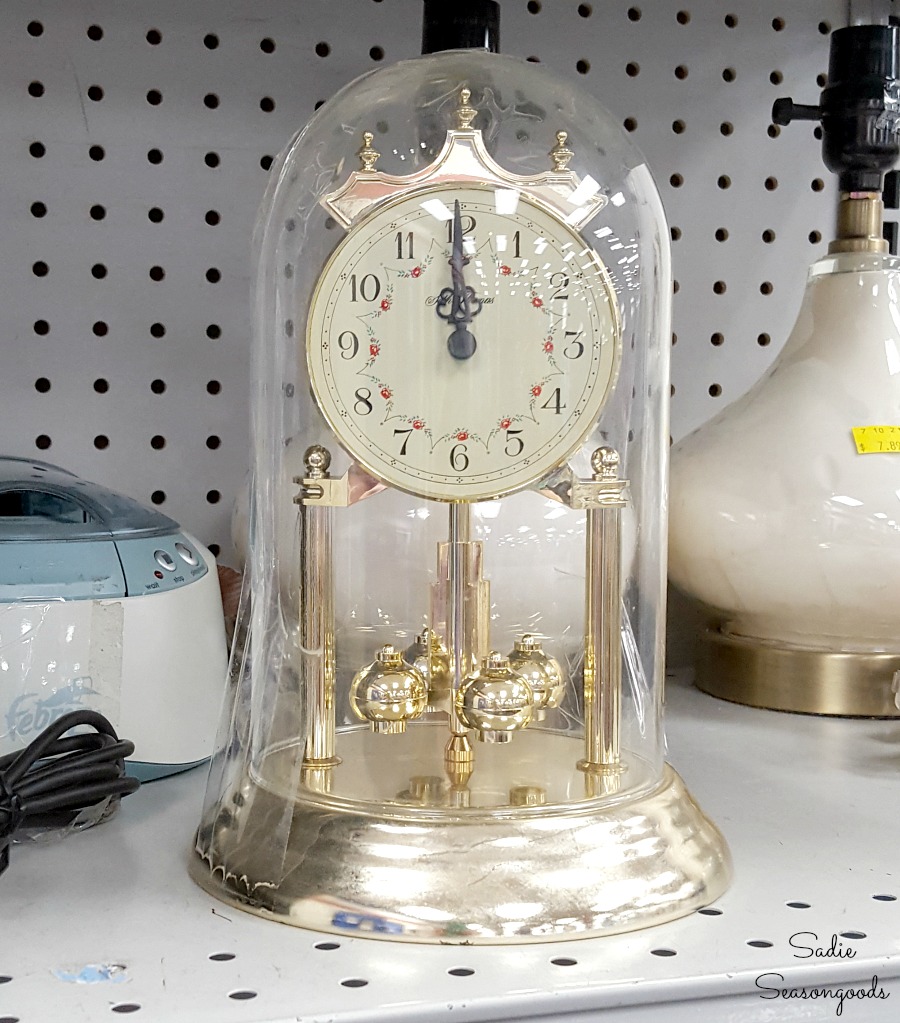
(464, 113)
(317, 460)
(605, 463)
(367, 154)
(560, 154)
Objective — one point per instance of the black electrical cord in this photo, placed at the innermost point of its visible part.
(57, 775)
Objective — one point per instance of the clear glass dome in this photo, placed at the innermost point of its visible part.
(452, 624)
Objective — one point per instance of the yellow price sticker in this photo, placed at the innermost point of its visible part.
(874, 440)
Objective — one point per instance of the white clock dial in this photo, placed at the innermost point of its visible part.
(454, 399)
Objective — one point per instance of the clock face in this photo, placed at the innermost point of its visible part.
(462, 341)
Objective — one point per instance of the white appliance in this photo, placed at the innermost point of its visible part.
(107, 605)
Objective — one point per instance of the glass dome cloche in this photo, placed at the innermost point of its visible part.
(444, 720)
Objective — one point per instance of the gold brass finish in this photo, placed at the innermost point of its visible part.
(460, 633)
(527, 795)
(460, 604)
(429, 656)
(600, 783)
(540, 756)
(860, 220)
(590, 494)
(542, 673)
(463, 159)
(368, 156)
(560, 154)
(425, 789)
(465, 114)
(603, 616)
(459, 759)
(799, 679)
(496, 701)
(323, 490)
(317, 618)
(388, 692)
(318, 461)
(319, 778)
(617, 864)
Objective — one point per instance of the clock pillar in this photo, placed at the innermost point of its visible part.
(317, 615)
(604, 498)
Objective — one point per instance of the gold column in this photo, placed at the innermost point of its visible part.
(317, 613)
(603, 616)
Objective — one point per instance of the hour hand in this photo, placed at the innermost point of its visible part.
(458, 259)
(458, 304)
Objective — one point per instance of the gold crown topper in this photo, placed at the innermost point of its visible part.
(465, 114)
(367, 155)
(560, 154)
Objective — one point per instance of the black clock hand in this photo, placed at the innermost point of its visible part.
(458, 261)
(460, 298)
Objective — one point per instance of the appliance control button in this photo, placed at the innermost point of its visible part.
(189, 556)
(164, 560)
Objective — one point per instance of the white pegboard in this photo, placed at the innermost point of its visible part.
(807, 805)
(113, 112)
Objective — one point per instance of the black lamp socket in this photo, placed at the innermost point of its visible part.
(461, 25)
(859, 107)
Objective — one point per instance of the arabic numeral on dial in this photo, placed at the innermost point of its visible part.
(467, 222)
(408, 241)
(368, 288)
(514, 443)
(555, 402)
(574, 349)
(363, 404)
(348, 343)
(559, 281)
(459, 460)
(405, 438)
(517, 240)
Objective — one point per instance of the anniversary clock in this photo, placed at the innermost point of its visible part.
(445, 713)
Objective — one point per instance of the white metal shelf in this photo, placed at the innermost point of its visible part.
(808, 806)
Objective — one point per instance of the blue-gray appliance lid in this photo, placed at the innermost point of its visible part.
(39, 501)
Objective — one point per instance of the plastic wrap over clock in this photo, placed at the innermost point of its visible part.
(460, 365)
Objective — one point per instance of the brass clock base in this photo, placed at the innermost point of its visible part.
(520, 873)
(799, 679)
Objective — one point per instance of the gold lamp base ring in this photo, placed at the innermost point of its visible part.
(804, 680)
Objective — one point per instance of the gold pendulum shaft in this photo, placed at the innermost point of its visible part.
(603, 618)
(317, 616)
(460, 614)
(460, 656)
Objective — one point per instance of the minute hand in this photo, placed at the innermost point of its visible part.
(460, 298)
